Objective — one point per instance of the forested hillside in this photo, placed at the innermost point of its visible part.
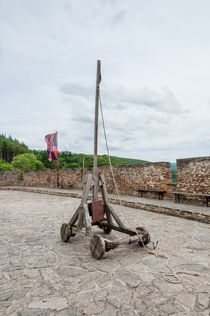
(10, 147)
(13, 154)
(68, 159)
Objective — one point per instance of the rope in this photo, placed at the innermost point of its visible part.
(173, 273)
(107, 148)
(166, 276)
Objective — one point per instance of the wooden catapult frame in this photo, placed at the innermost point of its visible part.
(102, 213)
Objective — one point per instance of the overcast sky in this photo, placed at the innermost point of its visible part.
(155, 88)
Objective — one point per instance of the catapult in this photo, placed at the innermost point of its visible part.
(99, 211)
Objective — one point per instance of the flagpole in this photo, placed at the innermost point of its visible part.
(57, 168)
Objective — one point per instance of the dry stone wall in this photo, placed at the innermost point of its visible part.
(129, 178)
(9, 177)
(69, 178)
(193, 176)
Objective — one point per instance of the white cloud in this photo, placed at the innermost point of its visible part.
(155, 74)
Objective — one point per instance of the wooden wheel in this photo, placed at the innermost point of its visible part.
(97, 247)
(65, 232)
(107, 229)
(103, 225)
(143, 232)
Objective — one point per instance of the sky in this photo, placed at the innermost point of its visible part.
(155, 67)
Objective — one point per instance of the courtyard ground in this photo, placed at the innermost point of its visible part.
(41, 275)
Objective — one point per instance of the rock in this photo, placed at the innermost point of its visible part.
(203, 300)
(129, 278)
(52, 303)
(187, 299)
(4, 295)
(90, 308)
(29, 312)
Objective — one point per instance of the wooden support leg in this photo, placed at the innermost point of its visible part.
(86, 219)
(114, 215)
(99, 245)
(74, 218)
(86, 190)
(81, 217)
(80, 223)
(104, 193)
(110, 212)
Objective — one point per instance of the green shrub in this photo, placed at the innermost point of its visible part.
(26, 162)
(5, 166)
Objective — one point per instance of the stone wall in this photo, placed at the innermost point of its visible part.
(193, 175)
(129, 178)
(69, 178)
(9, 177)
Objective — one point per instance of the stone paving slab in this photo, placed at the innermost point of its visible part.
(169, 207)
(41, 275)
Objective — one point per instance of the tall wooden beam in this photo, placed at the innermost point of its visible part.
(95, 173)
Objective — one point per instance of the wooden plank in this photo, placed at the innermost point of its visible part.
(148, 190)
(113, 213)
(109, 209)
(124, 229)
(86, 190)
(95, 174)
(192, 194)
(87, 220)
(105, 198)
(178, 194)
(80, 222)
(74, 218)
(160, 192)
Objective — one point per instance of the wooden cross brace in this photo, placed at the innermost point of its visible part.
(81, 217)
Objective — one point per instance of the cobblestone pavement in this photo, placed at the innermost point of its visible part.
(165, 203)
(40, 275)
(166, 207)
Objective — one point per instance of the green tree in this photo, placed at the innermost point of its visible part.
(10, 147)
(5, 166)
(174, 175)
(42, 155)
(26, 162)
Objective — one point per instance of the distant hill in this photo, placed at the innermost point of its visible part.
(68, 159)
(130, 161)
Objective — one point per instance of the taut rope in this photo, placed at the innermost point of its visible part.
(166, 276)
